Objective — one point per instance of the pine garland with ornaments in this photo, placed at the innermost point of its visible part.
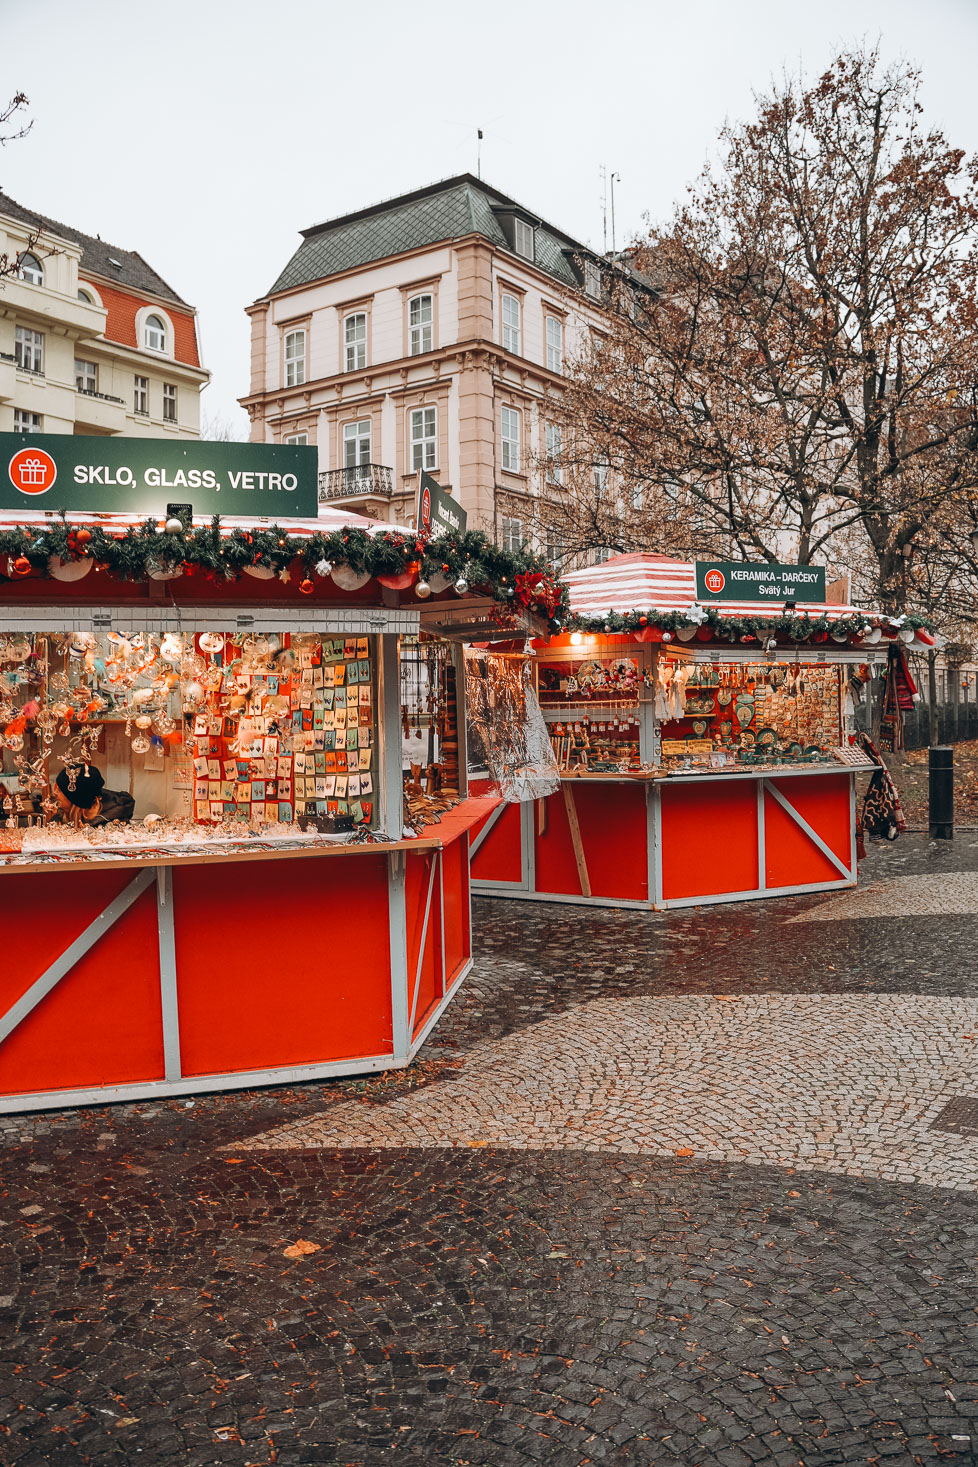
(138, 551)
(707, 624)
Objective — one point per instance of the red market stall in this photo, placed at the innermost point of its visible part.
(280, 708)
(706, 750)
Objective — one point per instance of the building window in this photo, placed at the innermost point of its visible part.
(592, 279)
(295, 358)
(553, 547)
(297, 440)
(140, 396)
(600, 476)
(511, 535)
(511, 439)
(355, 337)
(600, 555)
(356, 444)
(555, 344)
(26, 422)
(29, 268)
(420, 324)
(554, 440)
(523, 239)
(154, 334)
(29, 349)
(424, 438)
(86, 376)
(511, 324)
(169, 403)
(83, 295)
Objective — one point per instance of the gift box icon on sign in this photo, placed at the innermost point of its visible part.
(31, 471)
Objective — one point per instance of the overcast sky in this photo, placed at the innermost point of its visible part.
(206, 133)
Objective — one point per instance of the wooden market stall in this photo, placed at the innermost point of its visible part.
(707, 752)
(262, 693)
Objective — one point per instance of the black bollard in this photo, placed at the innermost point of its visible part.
(942, 792)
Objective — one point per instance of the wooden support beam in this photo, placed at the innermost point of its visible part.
(575, 831)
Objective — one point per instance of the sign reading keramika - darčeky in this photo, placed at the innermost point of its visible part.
(141, 476)
(724, 580)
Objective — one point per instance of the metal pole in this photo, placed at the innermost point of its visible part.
(933, 732)
(941, 772)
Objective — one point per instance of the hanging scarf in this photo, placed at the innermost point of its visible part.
(882, 813)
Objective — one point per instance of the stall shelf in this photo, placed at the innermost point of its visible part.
(179, 956)
(683, 808)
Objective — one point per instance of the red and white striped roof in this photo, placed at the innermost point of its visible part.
(644, 582)
(328, 521)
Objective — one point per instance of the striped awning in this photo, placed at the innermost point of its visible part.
(645, 582)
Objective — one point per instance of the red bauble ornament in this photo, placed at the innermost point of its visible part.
(643, 621)
(82, 537)
(704, 634)
(22, 566)
(306, 587)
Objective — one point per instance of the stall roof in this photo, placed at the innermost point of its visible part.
(643, 582)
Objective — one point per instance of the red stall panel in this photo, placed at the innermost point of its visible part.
(499, 857)
(101, 1024)
(613, 827)
(709, 838)
(309, 980)
(458, 938)
(793, 858)
(418, 879)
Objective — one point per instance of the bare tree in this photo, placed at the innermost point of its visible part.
(18, 104)
(13, 114)
(790, 365)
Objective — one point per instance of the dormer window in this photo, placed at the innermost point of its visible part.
(83, 295)
(523, 239)
(592, 279)
(29, 268)
(154, 334)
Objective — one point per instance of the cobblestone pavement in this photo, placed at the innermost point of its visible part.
(447, 1274)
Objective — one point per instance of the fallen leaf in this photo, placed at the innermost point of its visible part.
(300, 1248)
(685, 1151)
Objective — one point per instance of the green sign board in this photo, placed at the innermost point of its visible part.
(724, 580)
(141, 476)
(438, 512)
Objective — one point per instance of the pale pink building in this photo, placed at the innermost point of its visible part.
(425, 332)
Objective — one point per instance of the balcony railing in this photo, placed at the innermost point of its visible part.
(366, 480)
(102, 396)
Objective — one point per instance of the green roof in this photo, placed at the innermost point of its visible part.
(442, 212)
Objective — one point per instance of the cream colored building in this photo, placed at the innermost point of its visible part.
(92, 340)
(425, 332)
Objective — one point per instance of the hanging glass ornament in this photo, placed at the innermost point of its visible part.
(140, 744)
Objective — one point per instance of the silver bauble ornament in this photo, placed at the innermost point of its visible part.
(422, 590)
(461, 586)
(173, 526)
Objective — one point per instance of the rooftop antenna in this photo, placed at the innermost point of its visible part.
(478, 154)
(613, 177)
(603, 175)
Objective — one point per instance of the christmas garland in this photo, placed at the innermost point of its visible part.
(787, 626)
(130, 554)
(466, 561)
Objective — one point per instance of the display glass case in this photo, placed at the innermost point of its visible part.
(114, 739)
(742, 714)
